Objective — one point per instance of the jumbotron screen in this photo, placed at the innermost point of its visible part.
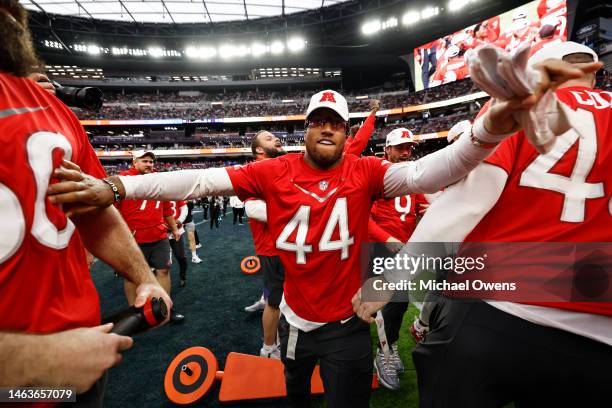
(441, 61)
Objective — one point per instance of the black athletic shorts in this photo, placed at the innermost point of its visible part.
(274, 278)
(157, 253)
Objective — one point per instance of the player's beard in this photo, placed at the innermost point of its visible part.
(17, 54)
(323, 160)
(272, 152)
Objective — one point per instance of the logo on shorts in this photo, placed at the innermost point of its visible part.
(323, 185)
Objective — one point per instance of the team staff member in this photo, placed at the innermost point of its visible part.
(50, 333)
(316, 204)
(149, 221)
(179, 212)
(393, 220)
(265, 145)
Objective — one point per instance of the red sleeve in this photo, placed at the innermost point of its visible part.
(375, 233)
(376, 169)
(249, 180)
(505, 153)
(88, 160)
(168, 208)
(360, 141)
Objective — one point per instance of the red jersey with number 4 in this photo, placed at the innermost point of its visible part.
(44, 277)
(397, 217)
(316, 219)
(561, 196)
(145, 218)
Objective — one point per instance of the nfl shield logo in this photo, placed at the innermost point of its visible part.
(323, 185)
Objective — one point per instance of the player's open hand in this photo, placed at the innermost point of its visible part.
(369, 299)
(83, 192)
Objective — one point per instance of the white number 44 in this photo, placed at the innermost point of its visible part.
(337, 219)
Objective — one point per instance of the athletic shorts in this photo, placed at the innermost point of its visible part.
(274, 278)
(190, 226)
(157, 253)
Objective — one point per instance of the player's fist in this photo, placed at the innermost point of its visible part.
(374, 106)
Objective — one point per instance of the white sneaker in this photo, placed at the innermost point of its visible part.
(257, 306)
(198, 246)
(270, 352)
(195, 259)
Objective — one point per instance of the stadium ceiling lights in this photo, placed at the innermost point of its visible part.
(456, 5)
(410, 18)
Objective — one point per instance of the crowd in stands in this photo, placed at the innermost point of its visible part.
(113, 168)
(165, 105)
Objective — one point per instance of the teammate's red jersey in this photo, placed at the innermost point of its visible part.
(264, 244)
(561, 196)
(176, 208)
(316, 219)
(397, 217)
(44, 277)
(145, 218)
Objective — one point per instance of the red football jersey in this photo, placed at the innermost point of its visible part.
(561, 196)
(264, 244)
(145, 218)
(44, 276)
(316, 221)
(356, 145)
(397, 216)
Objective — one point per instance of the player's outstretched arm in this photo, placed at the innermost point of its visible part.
(256, 209)
(73, 358)
(453, 215)
(106, 235)
(89, 192)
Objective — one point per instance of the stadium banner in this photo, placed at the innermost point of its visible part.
(441, 61)
(529, 272)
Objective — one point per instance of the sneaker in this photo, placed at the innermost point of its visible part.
(385, 370)
(418, 330)
(176, 317)
(396, 360)
(257, 306)
(198, 246)
(270, 352)
(196, 259)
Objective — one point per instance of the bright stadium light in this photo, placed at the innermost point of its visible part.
(258, 49)
(191, 52)
(155, 52)
(227, 51)
(429, 12)
(371, 27)
(296, 44)
(411, 17)
(93, 49)
(389, 23)
(277, 47)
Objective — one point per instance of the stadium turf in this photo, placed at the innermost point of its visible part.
(212, 302)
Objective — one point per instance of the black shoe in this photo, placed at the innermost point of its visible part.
(176, 317)
(182, 283)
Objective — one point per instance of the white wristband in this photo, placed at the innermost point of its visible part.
(480, 133)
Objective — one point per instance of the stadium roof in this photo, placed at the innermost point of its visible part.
(176, 11)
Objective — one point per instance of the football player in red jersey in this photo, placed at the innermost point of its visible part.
(316, 204)
(50, 333)
(527, 353)
(149, 222)
(359, 141)
(265, 145)
(179, 213)
(393, 220)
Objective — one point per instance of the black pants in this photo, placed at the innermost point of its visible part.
(393, 315)
(478, 356)
(238, 214)
(178, 250)
(205, 211)
(214, 216)
(345, 355)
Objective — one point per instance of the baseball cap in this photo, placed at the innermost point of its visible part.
(560, 50)
(137, 154)
(329, 99)
(399, 136)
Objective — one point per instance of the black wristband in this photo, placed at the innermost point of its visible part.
(114, 188)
